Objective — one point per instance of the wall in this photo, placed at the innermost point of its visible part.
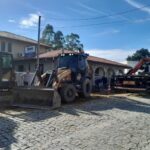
(19, 46)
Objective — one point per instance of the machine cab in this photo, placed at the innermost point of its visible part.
(75, 62)
(6, 71)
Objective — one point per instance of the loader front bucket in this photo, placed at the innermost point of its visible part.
(36, 97)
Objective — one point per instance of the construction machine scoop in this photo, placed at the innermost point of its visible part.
(36, 96)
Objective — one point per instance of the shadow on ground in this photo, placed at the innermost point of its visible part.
(7, 127)
(143, 95)
(90, 106)
(102, 104)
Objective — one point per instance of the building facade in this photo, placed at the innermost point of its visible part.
(20, 46)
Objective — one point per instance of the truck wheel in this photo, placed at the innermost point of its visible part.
(148, 89)
(86, 88)
(68, 93)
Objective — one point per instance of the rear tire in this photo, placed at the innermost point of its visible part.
(68, 93)
(148, 89)
(86, 88)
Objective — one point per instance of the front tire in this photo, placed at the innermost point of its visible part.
(68, 93)
(86, 88)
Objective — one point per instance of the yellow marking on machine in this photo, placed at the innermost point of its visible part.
(128, 82)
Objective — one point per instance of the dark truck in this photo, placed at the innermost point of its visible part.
(7, 75)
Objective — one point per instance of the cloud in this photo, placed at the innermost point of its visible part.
(142, 20)
(118, 55)
(87, 10)
(30, 21)
(91, 9)
(138, 5)
(107, 32)
(80, 12)
(11, 21)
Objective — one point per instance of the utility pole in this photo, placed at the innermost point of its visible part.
(37, 51)
(38, 46)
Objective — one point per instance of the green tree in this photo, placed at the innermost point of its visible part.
(58, 40)
(72, 42)
(139, 54)
(48, 35)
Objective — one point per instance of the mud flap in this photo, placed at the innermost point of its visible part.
(36, 97)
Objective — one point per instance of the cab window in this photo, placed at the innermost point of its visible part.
(6, 61)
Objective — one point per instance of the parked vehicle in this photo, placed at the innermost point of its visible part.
(137, 79)
(71, 77)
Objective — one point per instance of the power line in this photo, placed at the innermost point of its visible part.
(107, 23)
(104, 16)
(89, 25)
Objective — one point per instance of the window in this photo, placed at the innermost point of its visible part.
(9, 47)
(68, 61)
(3, 46)
(21, 68)
(82, 63)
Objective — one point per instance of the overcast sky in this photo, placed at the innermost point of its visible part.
(103, 33)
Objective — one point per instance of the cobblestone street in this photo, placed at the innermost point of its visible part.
(101, 124)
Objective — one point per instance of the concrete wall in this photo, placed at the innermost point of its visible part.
(18, 47)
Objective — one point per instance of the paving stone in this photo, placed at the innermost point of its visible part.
(98, 124)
